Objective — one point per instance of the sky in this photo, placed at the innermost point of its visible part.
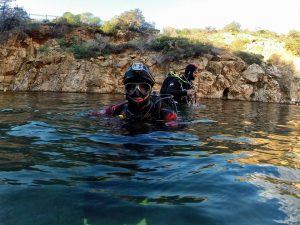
(279, 16)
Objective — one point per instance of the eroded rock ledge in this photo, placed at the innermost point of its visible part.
(22, 68)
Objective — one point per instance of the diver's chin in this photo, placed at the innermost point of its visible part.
(138, 100)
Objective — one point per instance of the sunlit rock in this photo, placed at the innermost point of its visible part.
(23, 67)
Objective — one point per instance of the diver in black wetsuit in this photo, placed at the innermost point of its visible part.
(182, 87)
(140, 104)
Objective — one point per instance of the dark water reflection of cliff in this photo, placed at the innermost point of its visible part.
(235, 163)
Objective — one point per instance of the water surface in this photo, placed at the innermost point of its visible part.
(231, 163)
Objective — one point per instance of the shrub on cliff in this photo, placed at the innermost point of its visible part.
(80, 49)
(278, 60)
(292, 42)
(266, 34)
(179, 47)
(84, 50)
(176, 48)
(91, 48)
(171, 48)
(250, 58)
(44, 49)
(239, 44)
(201, 35)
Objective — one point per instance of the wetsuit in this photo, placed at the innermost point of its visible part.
(153, 111)
(177, 86)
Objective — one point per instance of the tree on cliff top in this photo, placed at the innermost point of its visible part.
(80, 19)
(233, 27)
(129, 21)
(11, 18)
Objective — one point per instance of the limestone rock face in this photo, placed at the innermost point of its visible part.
(253, 72)
(22, 68)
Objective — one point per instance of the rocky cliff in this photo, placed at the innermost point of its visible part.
(24, 68)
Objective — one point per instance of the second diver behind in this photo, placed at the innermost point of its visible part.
(181, 87)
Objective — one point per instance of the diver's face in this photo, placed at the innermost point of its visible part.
(138, 92)
(195, 74)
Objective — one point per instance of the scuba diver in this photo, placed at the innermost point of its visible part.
(181, 88)
(141, 105)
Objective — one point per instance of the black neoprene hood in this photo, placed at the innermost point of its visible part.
(138, 72)
(190, 69)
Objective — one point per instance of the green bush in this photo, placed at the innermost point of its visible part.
(64, 44)
(109, 27)
(165, 43)
(60, 29)
(116, 48)
(91, 48)
(82, 51)
(44, 49)
(250, 58)
(175, 48)
(172, 48)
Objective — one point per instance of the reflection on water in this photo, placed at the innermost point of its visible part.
(230, 162)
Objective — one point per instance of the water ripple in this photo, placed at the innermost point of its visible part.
(229, 138)
(37, 129)
(158, 138)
